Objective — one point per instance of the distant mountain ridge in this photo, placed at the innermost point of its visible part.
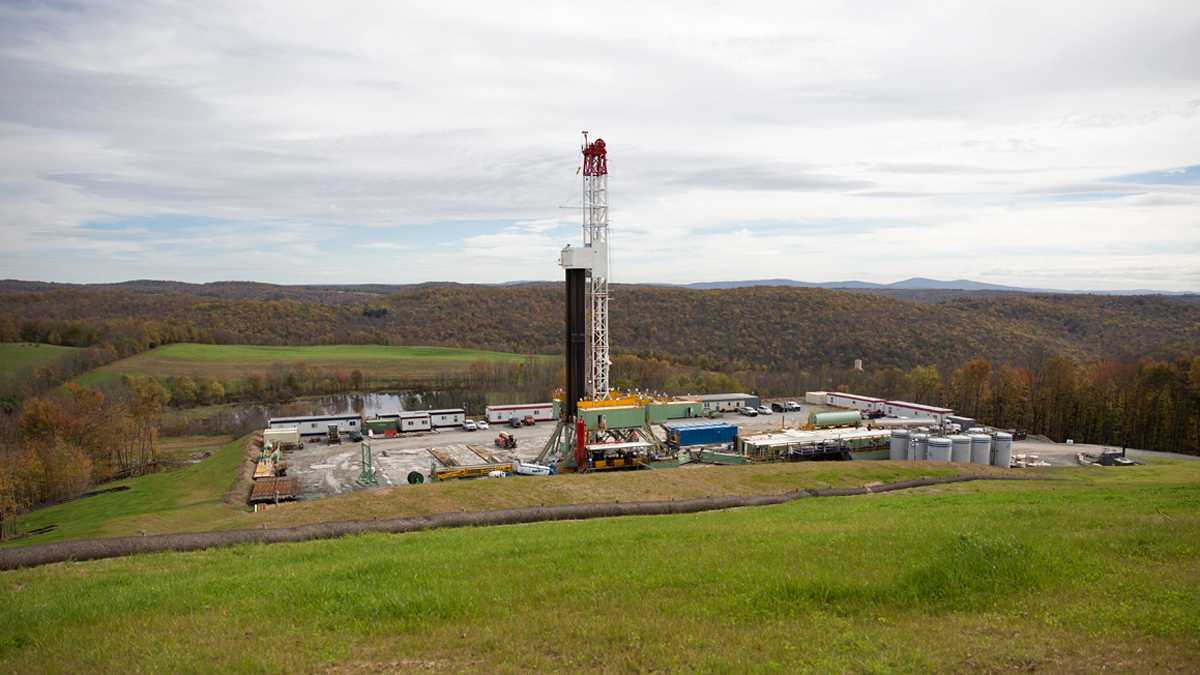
(916, 284)
(270, 290)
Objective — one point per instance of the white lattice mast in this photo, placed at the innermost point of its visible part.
(595, 235)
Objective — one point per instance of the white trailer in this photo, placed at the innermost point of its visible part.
(727, 402)
(816, 397)
(318, 425)
(854, 401)
(413, 421)
(906, 409)
(449, 417)
(499, 414)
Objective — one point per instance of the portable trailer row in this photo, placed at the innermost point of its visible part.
(415, 420)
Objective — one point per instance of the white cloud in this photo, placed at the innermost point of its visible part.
(872, 141)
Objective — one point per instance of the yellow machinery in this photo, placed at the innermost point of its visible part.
(473, 471)
(634, 462)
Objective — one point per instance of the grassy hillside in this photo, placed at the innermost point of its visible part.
(191, 499)
(17, 356)
(1100, 571)
(229, 362)
(603, 487)
(183, 500)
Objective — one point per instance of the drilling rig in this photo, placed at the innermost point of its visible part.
(589, 411)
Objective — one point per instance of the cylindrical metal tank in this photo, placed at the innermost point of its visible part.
(960, 449)
(920, 447)
(835, 419)
(981, 449)
(1003, 450)
(939, 449)
(899, 448)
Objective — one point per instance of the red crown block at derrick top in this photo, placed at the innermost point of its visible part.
(595, 159)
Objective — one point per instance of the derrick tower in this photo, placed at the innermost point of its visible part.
(595, 236)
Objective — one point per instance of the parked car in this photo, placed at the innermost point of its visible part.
(748, 411)
(482, 424)
(356, 437)
(763, 410)
(514, 422)
(469, 425)
(529, 421)
(792, 406)
(778, 407)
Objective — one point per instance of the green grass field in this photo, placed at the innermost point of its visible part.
(1097, 571)
(181, 500)
(15, 356)
(377, 362)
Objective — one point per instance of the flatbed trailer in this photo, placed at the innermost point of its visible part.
(483, 453)
(443, 457)
(473, 471)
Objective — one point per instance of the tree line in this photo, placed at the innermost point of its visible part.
(59, 445)
(724, 330)
(1147, 403)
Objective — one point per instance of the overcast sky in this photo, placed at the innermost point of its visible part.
(1048, 144)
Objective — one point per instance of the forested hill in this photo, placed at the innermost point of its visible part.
(741, 328)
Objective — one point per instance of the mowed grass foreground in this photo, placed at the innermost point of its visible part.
(17, 356)
(231, 362)
(1098, 570)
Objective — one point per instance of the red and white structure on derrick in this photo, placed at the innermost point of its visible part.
(594, 258)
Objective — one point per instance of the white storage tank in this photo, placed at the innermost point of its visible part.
(900, 442)
(960, 449)
(939, 449)
(921, 447)
(1003, 447)
(981, 449)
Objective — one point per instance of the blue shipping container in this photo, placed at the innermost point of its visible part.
(710, 433)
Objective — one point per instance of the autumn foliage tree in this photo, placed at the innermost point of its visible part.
(58, 446)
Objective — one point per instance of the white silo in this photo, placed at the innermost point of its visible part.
(960, 450)
(981, 449)
(939, 449)
(1003, 446)
(900, 442)
(921, 447)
